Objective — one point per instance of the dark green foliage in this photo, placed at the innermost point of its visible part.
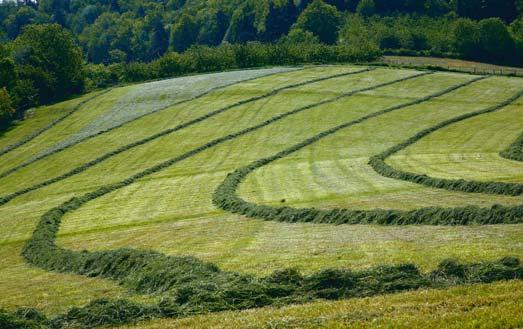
(159, 38)
(8, 74)
(49, 58)
(366, 8)
(496, 43)
(504, 9)
(299, 36)
(514, 151)
(6, 107)
(227, 57)
(184, 33)
(321, 19)
(467, 37)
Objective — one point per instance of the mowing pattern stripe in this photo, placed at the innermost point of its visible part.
(190, 286)
(226, 198)
(37, 133)
(380, 166)
(102, 132)
(85, 166)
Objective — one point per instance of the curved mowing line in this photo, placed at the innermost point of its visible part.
(226, 198)
(380, 166)
(514, 151)
(5, 199)
(191, 286)
(37, 133)
(102, 132)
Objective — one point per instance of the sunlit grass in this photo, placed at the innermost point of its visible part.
(171, 211)
(479, 306)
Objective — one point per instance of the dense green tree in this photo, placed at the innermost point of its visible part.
(184, 33)
(321, 19)
(436, 7)
(278, 20)
(299, 36)
(242, 26)
(466, 36)
(366, 8)
(24, 95)
(519, 7)
(24, 16)
(516, 29)
(504, 9)
(213, 26)
(8, 74)
(6, 107)
(158, 36)
(496, 43)
(112, 31)
(57, 9)
(47, 55)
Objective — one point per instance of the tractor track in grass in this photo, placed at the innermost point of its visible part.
(5, 199)
(103, 132)
(192, 286)
(37, 133)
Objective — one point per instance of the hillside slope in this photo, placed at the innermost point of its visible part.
(159, 178)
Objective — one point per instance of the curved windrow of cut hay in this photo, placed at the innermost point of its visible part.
(37, 133)
(104, 157)
(190, 286)
(79, 140)
(226, 196)
(514, 151)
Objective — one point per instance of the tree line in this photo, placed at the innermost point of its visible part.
(51, 49)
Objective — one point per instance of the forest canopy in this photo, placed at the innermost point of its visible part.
(100, 42)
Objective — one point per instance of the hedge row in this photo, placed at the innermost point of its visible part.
(514, 151)
(226, 198)
(380, 166)
(5, 199)
(102, 132)
(201, 59)
(37, 133)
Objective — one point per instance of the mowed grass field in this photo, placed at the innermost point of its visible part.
(171, 211)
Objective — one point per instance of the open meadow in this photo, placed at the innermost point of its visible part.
(302, 197)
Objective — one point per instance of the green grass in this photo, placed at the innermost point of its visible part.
(171, 211)
(479, 306)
